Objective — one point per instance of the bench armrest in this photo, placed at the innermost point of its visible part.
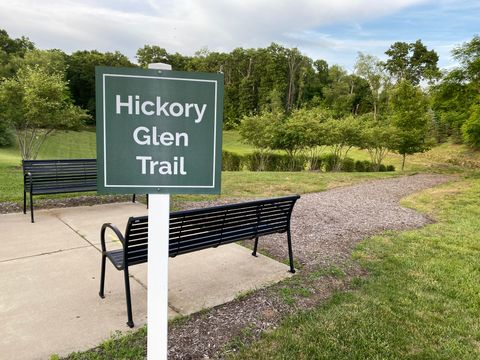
(115, 230)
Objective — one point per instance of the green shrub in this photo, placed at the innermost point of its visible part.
(390, 168)
(368, 166)
(363, 166)
(253, 161)
(329, 161)
(359, 166)
(348, 165)
(231, 161)
(274, 162)
(298, 163)
(315, 163)
(6, 134)
(382, 168)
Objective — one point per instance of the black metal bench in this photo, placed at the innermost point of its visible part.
(198, 229)
(42, 177)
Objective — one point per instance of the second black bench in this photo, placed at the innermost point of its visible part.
(41, 177)
(198, 229)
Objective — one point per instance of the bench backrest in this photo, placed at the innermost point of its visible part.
(192, 230)
(63, 175)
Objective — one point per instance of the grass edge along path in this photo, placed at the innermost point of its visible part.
(421, 299)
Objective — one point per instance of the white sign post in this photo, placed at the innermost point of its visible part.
(158, 249)
(159, 132)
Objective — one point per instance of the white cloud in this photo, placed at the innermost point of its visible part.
(187, 25)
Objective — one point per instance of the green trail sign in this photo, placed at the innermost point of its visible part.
(158, 131)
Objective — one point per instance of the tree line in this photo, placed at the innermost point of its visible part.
(273, 81)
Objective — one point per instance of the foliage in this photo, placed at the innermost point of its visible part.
(348, 165)
(409, 115)
(378, 137)
(311, 123)
(371, 69)
(301, 132)
(451, 101)
(6, 132)
(155, 54)
(341, 135)
(81, 75)
(258, 130)
(363, 166)
(51, 61)
(468, 81)
(468, 54)
(274, 162)
(36, 104)
(231, 161)
(412, 62)
(346, 94)
(12, 52)
(471, 128)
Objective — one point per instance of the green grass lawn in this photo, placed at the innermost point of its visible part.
(421, 299)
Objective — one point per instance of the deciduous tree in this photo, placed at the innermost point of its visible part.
(412, 62)
(36, 103)
(410, 117)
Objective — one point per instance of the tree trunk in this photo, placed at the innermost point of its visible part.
(403, 161)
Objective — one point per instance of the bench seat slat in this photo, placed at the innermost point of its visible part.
(188, 229)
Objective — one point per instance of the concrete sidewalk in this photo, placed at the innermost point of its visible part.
(49, 279)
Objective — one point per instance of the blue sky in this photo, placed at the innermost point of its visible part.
(334, 30)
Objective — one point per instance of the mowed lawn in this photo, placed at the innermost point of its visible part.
(421, 299)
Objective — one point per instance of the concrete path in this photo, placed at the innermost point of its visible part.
(49, 278)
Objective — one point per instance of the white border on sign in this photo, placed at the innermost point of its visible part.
(159, 186)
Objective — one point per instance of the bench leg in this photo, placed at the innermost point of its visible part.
(133, 198)
(102, 277)
(24, 202)
(129, 300)
(290, 252)
(254, 253)
(31, 207)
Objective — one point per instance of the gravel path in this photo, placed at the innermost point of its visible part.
(325, 225)
(325, 228)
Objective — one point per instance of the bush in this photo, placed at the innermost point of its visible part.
(329, 161)
(231, 161)
(315, 163)
(253, 161)
(390, 168)
(382, 168)
(359, 166)
(298, 163)
(368, 166)
(348, 165)
(363, 166)
(6, 134)
(274, 162)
